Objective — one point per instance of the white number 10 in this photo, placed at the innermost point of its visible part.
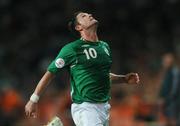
(90, 53)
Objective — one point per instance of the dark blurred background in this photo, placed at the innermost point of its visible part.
(141, 33)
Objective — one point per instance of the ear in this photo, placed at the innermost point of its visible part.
(78, 27)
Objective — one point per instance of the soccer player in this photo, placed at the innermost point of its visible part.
(88, 61)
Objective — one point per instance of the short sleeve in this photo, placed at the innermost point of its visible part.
(108, 48)
(64, 59)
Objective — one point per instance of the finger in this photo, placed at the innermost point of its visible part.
(134, 75)
(137, 78)
(34, 115)
(29, 113)
(137, 81)
(26, 111)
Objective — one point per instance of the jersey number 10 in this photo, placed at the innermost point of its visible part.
(90, 53)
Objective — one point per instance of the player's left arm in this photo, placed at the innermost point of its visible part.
(130, 78)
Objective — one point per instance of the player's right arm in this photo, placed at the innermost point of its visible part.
(64, 58)
(31, 106)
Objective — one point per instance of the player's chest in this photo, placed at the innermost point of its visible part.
(93, 54)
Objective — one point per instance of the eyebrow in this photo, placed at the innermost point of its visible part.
(82, 14)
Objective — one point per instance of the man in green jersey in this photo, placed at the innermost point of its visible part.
(88, 61)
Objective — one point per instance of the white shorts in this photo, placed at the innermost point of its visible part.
(90, 114)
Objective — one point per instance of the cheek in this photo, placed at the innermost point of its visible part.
(84, 25)
(84, 22)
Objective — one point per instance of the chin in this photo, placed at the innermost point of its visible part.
(95, 23)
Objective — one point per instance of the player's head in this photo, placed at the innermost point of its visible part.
(82, 21)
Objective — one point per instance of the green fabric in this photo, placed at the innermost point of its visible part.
(89, 65)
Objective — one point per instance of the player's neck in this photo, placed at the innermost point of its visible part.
(90, 35)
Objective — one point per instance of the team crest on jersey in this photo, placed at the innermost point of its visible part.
(106, 51)
(59, 63)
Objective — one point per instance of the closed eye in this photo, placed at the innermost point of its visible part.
(83, 15)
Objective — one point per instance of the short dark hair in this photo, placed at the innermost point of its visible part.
(72, 24)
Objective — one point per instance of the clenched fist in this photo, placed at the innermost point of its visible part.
(132, 78)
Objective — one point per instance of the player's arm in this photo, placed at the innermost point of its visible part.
(130, 78)
(31, 106)
(45, 80)
(64, 58)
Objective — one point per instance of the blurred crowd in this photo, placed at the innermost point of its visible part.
(144, 36)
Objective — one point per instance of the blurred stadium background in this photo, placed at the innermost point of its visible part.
(140, 34)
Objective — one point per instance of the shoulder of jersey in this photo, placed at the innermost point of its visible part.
(72, 44)
(104, 43)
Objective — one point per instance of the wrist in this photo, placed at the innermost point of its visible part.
(34, 98)
(125, 79)
(122, 78)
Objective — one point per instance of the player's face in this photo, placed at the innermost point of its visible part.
(85, 21)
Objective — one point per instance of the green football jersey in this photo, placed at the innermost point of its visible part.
(89, 65)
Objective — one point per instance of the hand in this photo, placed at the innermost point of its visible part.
(31, 109)
(132, 78)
